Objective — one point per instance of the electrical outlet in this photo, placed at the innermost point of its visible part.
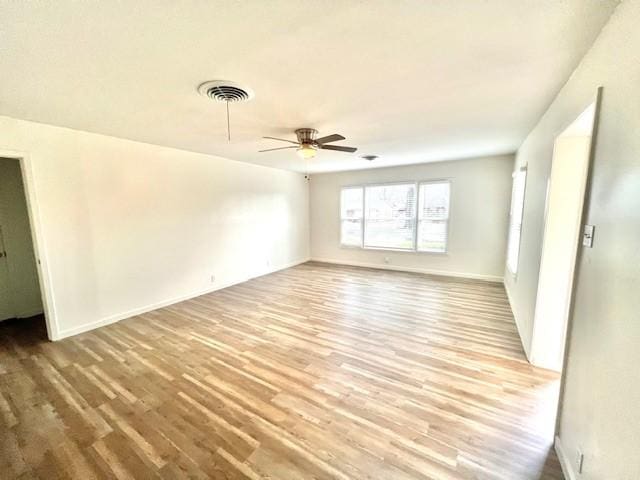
(579, 460)
(213, 278)
(268, 263)
(387, 260)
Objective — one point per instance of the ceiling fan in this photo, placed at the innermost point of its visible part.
(308, 145)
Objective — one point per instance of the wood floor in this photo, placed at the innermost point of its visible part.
(317, 371)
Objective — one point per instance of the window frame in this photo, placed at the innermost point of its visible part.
(520, 171)
(417, 184)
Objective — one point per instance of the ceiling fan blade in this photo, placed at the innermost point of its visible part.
(281, 140)
(279, 148)
(329, 138)
(338, 148)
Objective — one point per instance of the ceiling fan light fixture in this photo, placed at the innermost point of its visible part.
(306, 151)
(308, 143)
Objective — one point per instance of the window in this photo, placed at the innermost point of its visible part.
(433, 217)
(515, 219)
(390, 216)
(351, 212)
(400, 216)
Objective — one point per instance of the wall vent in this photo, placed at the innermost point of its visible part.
(225, 91)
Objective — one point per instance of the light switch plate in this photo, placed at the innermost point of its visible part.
(587, 236)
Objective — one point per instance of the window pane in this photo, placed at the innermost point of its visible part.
(351, 216)
(390, 216)
(513, 249)
(433, 216)
(351, 233)
(515, 220)
(433, 236)
(351, 203)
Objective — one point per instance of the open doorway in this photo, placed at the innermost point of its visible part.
(20, 294)
(566, 189)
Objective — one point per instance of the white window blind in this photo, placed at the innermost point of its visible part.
(515, 219)
(433, 216)
(390, 216)
(351, 214)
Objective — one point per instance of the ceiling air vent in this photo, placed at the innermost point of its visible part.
(225, 91)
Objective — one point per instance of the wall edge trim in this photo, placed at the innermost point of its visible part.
(30, 313)
(518, 328)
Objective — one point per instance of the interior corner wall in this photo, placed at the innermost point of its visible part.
(126, 227)
(24, 291)
(599, 405)
(480, 198)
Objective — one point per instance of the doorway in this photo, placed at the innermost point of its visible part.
(20, 294)
(566, 189)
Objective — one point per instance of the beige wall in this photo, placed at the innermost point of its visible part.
(24, 291)
(128, 226)
(601, 402)
(480, 193)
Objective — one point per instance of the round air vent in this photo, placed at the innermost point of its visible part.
(225, 91)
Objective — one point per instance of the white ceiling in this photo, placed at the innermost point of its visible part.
(409, 80)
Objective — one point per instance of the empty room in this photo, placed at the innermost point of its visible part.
(320, 239)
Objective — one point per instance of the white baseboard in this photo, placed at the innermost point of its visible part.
(148, 308)
(445, 273)
(30, 313)
(565, 462)
(24, 314)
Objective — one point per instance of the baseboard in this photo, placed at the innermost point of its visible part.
(518, 327)
(148, 308)
(30, 313)
(444, 273)
(565, 462)
(24, 314)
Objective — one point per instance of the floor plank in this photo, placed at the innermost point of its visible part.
(316, 371)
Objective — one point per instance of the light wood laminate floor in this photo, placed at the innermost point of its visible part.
(317, 371)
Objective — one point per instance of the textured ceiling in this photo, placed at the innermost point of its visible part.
(411, 81)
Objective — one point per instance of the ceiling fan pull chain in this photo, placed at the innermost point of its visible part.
(228, 124)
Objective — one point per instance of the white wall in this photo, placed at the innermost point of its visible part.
(24, 291)
(480, 195)
(128, 226)
(600, 411)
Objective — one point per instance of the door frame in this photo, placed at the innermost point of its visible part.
(583, 218)
(37, 237)
(5, 270)
(536, 357)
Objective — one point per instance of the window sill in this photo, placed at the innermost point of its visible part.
(398, 250)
